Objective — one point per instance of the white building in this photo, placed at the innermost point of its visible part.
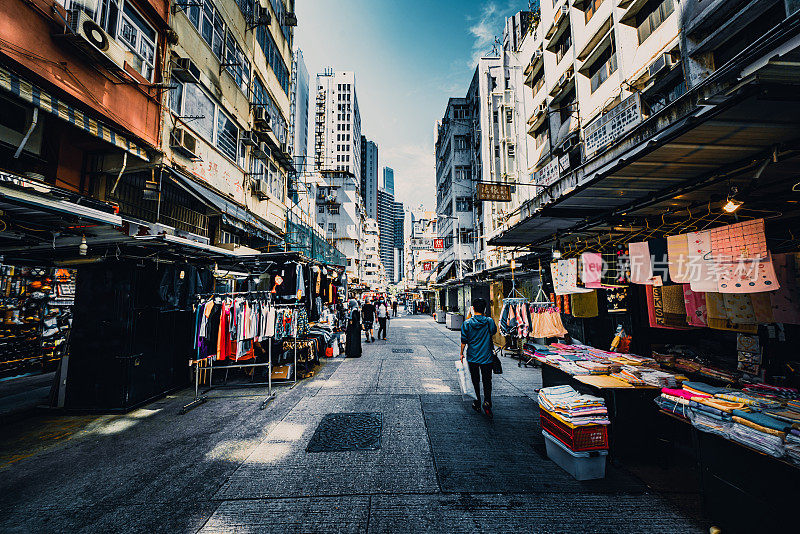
(374, 274)
(421, 258)
(337, 158)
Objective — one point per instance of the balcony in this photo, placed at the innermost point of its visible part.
(594, 32)
(560, 20)
(532, 69)
(565, 82)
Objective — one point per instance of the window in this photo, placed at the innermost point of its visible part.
(237, 64)
(650, 17)
(604, 66)
(197, 104)
(461, 142)
(466, 235)
(208, 21)
(539, 83)
(540, 136)
(273, 56)
(333, 210)
(140, 38)
(462, 173)
(321, 209)
(512, 151)
(494, 117)
(592, 8)
(509, 116)
(463, 204)
(227, 135)
(262, 98)
(497, 151)
(563, 45)
(332, 227)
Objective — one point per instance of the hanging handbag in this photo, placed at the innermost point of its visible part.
(497, 366)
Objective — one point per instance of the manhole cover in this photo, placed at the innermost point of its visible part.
(402, 351)
(347, 432)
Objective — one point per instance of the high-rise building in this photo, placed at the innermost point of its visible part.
(373, 269)
(369, 177)
(386, 217)
(298, 126)
(388, 180)
(399, 230)
(337, 157)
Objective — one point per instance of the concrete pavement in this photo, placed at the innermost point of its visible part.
(227, 466)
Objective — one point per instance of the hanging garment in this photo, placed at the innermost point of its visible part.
(655, 311)
(702, 271)
(741, 241)
(592, 269)
(786, 300)
(546, 322)
(695, 307)
(584, 305)
(718, 316)
(678, 258)
(739, 308)
(559, 274)
(674, 305)
(747, 276)
(641, 266)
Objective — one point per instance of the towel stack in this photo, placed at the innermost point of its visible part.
(572, 407)
(792, 445)
(759, 431)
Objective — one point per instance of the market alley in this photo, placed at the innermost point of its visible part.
(228, 466)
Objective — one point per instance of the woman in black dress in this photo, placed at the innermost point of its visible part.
(353, 342)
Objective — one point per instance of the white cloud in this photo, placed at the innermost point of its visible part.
(488, 26)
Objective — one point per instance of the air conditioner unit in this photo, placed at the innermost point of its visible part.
(186, 71)
(565, 10)
(184, 142)
(260, 16)
(661, 64)
(85, 34)
(565, 78)
(289, 19)
(542, 108)
(261, 188)
(536, 56)
(261, 150)
(250, 138)
(261, 119)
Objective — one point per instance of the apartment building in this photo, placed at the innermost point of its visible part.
(369, 177)
(374, 273)
(386, 222)
(298, 113)
(612, 85)
(456, 207)
(421, 258)
(337, 158)
(399, 238)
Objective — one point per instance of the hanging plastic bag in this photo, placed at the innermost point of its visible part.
(467, 392)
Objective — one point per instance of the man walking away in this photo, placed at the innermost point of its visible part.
(383, 319)
(394, 308)
(476, 336)
(368, 318)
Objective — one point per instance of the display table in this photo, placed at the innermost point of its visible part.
(631, 409)
(744, 490)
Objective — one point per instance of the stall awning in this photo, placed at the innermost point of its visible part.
(35, 95)
(447, 268)
(232, 213)
(23, 193)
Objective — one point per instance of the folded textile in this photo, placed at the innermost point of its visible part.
(787, 416)
(708, 409)
(572, 407)
(735, 396)
(679, 400)
(683, 393)
(710, 423)
(672, 407)
(702, 387)
(762, 420)
(722, 405)
(767, 443)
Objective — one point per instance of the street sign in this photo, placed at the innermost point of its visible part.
(548, 174)
(438, 244)
(606, 129)
(421, 243)
(494, 192)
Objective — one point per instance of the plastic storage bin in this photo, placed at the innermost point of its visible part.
(576, 438)
(587, 465)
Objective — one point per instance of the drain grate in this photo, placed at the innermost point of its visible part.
(347, 432)
(402, 351)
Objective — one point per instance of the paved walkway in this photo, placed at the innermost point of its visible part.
(229, 467)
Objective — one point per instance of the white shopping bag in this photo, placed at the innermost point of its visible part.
(467, 390)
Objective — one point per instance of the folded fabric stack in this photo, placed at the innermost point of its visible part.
(572, 407)
(718, 374)
(632, 360)
(759, 431)
(793, 405)
(792, 445)
(710, 419)
(597, 368)
(654, 377)
(775, 392)
(676, 407)
(789, 417)
(631, 375)
(573, 368)
(702, 389)
(754, 402)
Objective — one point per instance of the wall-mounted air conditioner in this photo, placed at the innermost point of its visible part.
(261, 188)
(260, 16)
(183, 142)
(250, 138)
(86, 35)
(662, 64)
(186, 70)
(542, 108)
(261, 150)
(261, 119)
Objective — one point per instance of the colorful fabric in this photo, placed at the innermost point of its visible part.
(762, 308)
(641, 264)
(701, 263)
(678, 258)
(673, 305)
(683, 394)
(741, 241)
(695, 306)
(592, 269)
(747, 276)
(584, 305)
(739, 308)
(718, 316)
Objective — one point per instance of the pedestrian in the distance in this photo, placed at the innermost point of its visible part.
(476, 337)
(383, 319)
(353, 335)
(394, 308)
(368, 318)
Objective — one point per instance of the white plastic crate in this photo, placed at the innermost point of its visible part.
(587, 465)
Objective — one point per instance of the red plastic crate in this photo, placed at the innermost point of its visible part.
(578, 438)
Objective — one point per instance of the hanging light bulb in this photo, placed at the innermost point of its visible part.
(732, 204)
(83, 248)
(557, 250)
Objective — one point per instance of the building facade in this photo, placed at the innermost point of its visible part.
(386, 222)
(298, 126)
(399, 249)
(374, 274)
(369, 177)
(337, 158)
(420, 256)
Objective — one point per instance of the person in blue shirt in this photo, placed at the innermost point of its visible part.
(476, 337)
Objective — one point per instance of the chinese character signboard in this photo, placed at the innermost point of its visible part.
(548, 174)
(421, 243)
(609, 127)
(438, 244)
(427, 266)
(494, 192)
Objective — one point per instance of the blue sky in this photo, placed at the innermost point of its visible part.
(409, 58)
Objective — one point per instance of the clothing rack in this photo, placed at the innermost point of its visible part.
(206, 364)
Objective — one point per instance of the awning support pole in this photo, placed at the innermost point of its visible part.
(34, 121)
(119, 176)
